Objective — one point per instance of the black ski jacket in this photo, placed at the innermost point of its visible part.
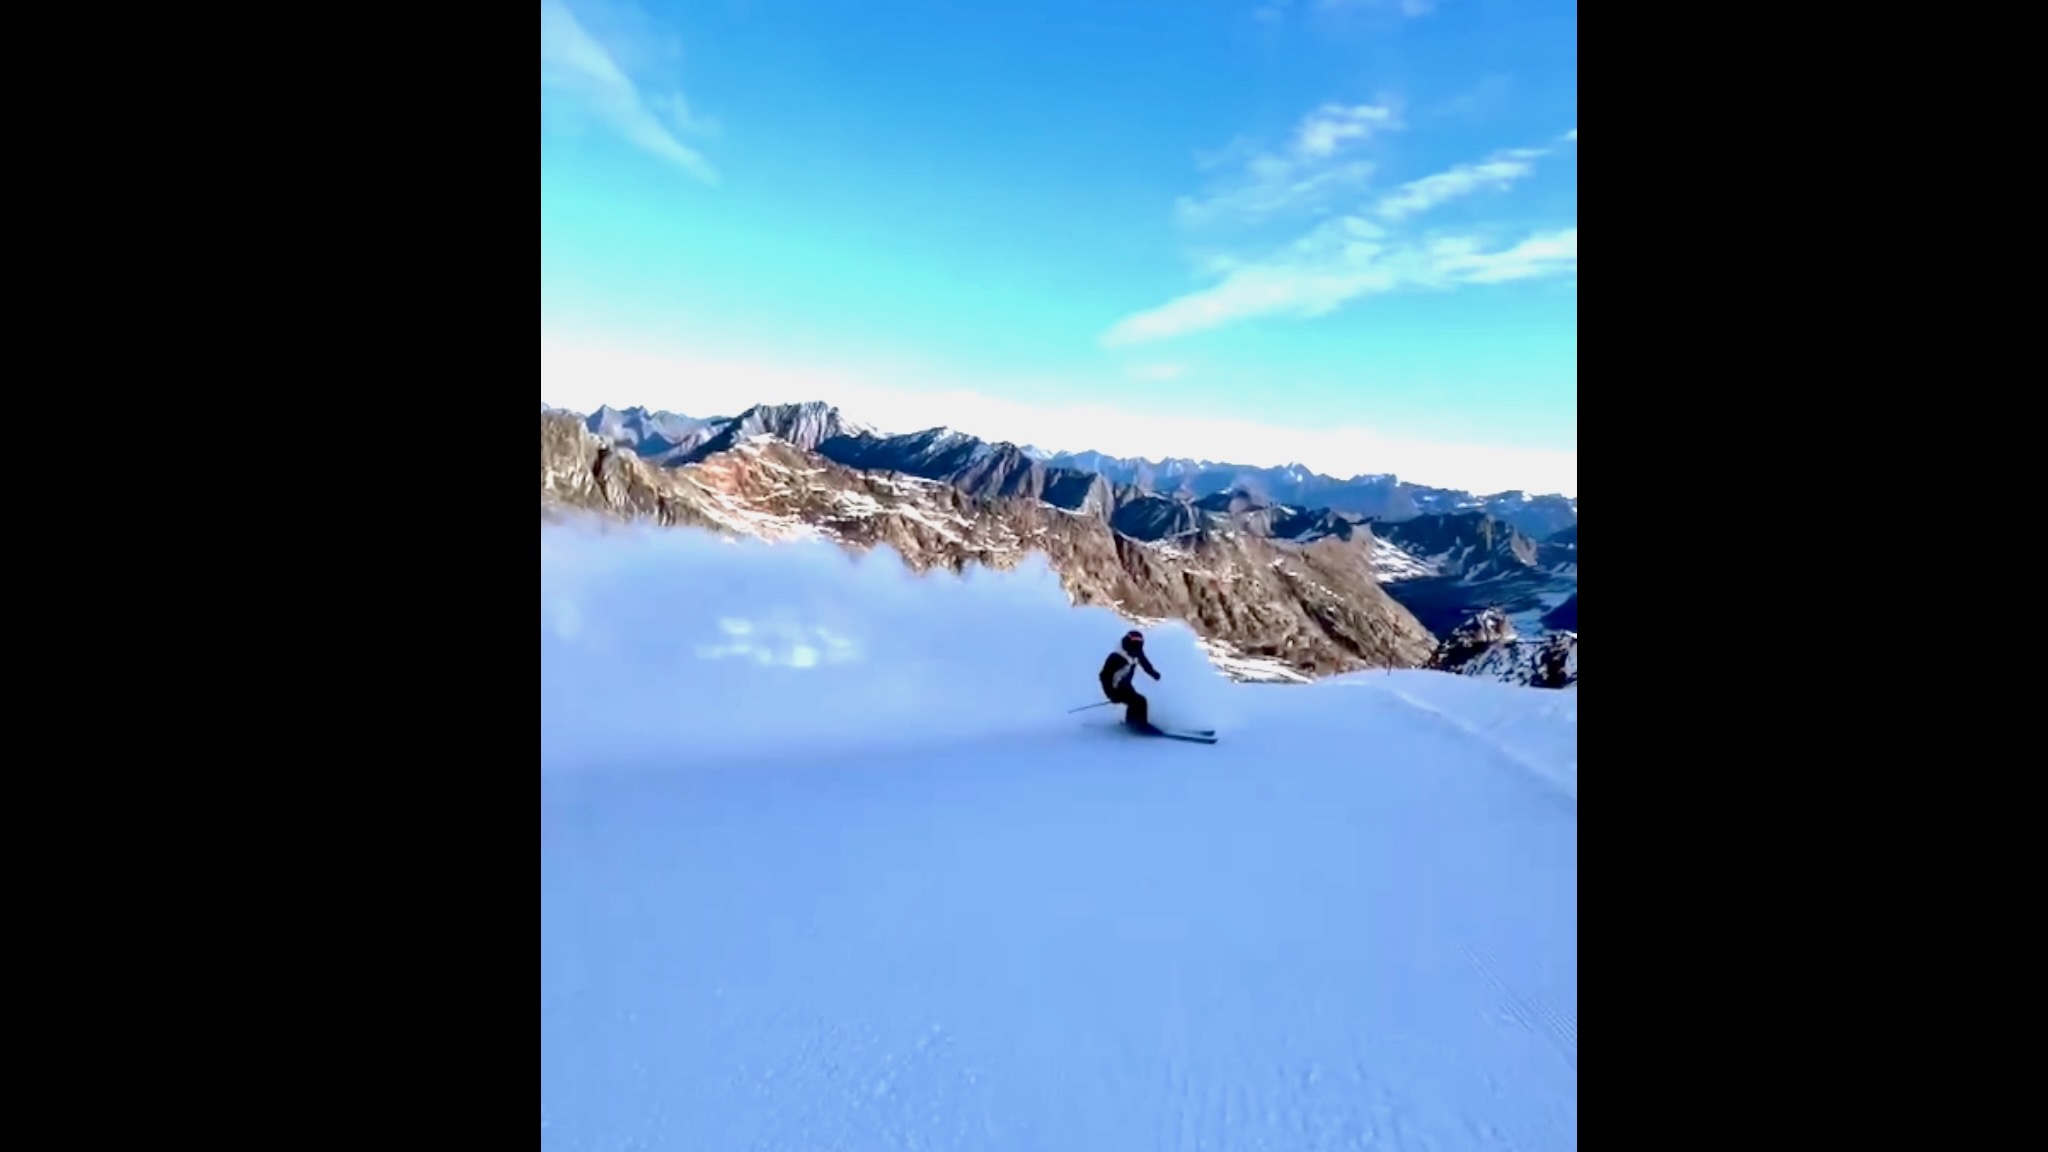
(1117, 672)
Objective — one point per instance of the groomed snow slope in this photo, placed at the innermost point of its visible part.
(826, 865)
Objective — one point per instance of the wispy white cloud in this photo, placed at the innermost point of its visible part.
(1463, 259)
(1498, 172)
(1572, 136)
(1327, 129)
(1362, 250)
(1316, 166)
(576, 67)
(1343, 260)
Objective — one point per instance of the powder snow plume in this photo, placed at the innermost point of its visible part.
(676, 648)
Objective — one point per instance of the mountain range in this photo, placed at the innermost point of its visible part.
(1278, 589)
(670, 439)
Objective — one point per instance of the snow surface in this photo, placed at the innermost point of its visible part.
(1528, 622)
(1391, 562)
(827, 864)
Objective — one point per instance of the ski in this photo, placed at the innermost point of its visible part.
(1196, 736)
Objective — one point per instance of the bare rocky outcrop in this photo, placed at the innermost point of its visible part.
(1315, 607)
(1487, 646)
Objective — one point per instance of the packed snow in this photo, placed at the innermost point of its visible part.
(828, 863)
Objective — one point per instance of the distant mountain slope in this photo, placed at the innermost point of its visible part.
(1487, 646)
(1472, 546)
(1442, 567)
(670, 440)
(988, 468)
(1464, 563)
(1314, 607)
(1379, 497)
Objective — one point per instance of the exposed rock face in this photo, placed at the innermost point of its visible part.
(1468, 545)
(579, 470)
(1077, 480)
(1314, 607)
(1487, 646)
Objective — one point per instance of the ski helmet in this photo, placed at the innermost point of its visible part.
(1133, 640)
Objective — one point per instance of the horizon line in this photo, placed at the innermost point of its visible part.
(582, 378)
(1051, 453)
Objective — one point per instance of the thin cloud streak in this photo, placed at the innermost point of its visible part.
(1313, 170)
(575, 66)
(1340, 262)
(1360, 253)
(1498, 173)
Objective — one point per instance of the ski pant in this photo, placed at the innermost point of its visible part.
(1137, 709)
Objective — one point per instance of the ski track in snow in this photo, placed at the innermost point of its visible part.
(1539, 735)
(1352, 924)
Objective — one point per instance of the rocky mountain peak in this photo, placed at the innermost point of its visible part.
(805, 425)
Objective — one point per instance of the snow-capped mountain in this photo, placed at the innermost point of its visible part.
(1001, 468)
(1377, 496)
(672, 440)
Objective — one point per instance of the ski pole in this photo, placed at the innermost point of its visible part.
(1085, 707)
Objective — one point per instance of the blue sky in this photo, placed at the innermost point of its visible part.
(1342, 232)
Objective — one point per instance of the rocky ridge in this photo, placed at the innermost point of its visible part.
(1470, 554)
(1267, 607)
(1000, 468)
(1375, 496)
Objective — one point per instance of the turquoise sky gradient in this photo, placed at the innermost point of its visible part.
(1304, 215)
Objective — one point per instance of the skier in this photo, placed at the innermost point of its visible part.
(1117, 673)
